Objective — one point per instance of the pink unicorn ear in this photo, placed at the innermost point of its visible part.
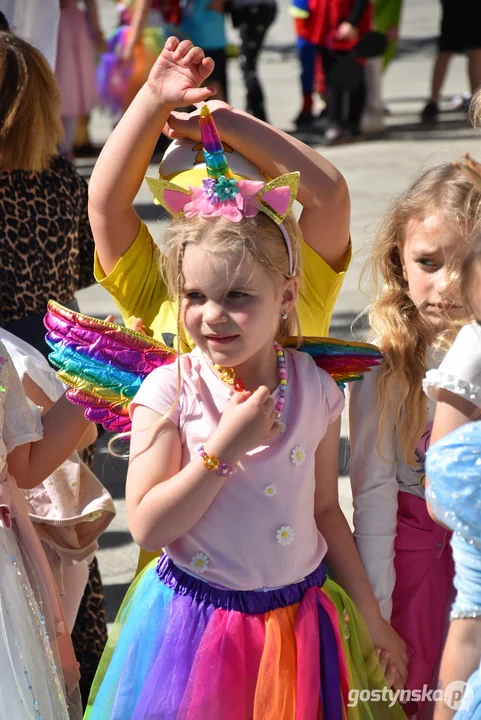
(171, 196)
(276, 198)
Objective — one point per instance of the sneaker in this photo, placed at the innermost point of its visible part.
(430, 112)
(336, 136)
(304, 118)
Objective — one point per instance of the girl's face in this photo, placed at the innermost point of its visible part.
(433, 249)
(230, 306)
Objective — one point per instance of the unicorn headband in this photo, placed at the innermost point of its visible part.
(221, 193)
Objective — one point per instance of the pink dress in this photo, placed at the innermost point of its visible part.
(75, 68)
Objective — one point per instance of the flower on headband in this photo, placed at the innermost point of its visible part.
(234, 199)
(208, 189)
(226, 189)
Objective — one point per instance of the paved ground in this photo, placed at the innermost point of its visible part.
(375, 171)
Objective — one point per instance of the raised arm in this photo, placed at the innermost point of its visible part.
(120, 169)
(323, 191)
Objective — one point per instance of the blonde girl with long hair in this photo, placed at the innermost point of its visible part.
(233, 471)
(414, 267)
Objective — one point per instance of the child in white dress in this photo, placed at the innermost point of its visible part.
(38, 669)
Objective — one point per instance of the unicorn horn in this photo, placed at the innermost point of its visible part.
(214, 156)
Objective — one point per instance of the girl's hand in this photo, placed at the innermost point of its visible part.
(249, 420)
(186, 125)
(178, 72)
(393, 650)
(391, 673)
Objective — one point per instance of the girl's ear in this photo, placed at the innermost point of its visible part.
(289, 295)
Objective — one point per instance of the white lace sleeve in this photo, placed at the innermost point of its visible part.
(460, 371)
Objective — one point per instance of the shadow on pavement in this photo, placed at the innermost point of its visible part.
(114, 539)
(114, 595)
(111, 471)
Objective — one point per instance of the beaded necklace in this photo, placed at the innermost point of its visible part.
(227, 375)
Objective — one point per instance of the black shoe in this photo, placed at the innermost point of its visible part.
(430, 112)
(304, 118)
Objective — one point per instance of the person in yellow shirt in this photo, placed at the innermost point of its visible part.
(126, 261)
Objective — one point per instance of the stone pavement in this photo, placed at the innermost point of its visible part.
(375, 170)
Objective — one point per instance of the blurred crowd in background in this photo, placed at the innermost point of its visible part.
(344, 47)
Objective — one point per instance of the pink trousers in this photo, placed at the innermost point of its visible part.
(422, 596)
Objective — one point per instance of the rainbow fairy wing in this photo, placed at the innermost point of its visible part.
(344, 361)
(103, 364)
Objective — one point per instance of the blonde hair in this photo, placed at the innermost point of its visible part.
(30, 125)
(475, 110)
(471, 263)
(394, 319)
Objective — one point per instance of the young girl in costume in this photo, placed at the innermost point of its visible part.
(453, 494)
(71, 509)
(407, 555)
(127, 256)
(37, 661)
(238, 619)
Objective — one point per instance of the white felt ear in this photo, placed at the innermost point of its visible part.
(171, 196)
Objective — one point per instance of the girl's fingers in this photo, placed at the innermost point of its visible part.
(384, 661)
(206, 67)
(391, 675)
(198, 95)
(171, 43)
(182, 49)
(195, 56)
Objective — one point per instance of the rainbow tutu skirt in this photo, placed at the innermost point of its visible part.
(181, 649)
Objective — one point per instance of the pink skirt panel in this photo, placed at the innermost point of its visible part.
(423, 593)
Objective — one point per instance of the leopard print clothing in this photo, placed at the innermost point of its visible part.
(46, 244)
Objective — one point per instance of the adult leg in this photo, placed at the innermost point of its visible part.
(439, 74)
(254, 23)
(356, 105)
(334, 96)
(440, 70)
(474, 69)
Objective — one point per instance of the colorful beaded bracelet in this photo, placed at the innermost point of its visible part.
(211, 462)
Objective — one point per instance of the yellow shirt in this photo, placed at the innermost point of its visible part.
(136, 285)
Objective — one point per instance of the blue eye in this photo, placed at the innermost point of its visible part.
(426, 262)
(236, 294)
